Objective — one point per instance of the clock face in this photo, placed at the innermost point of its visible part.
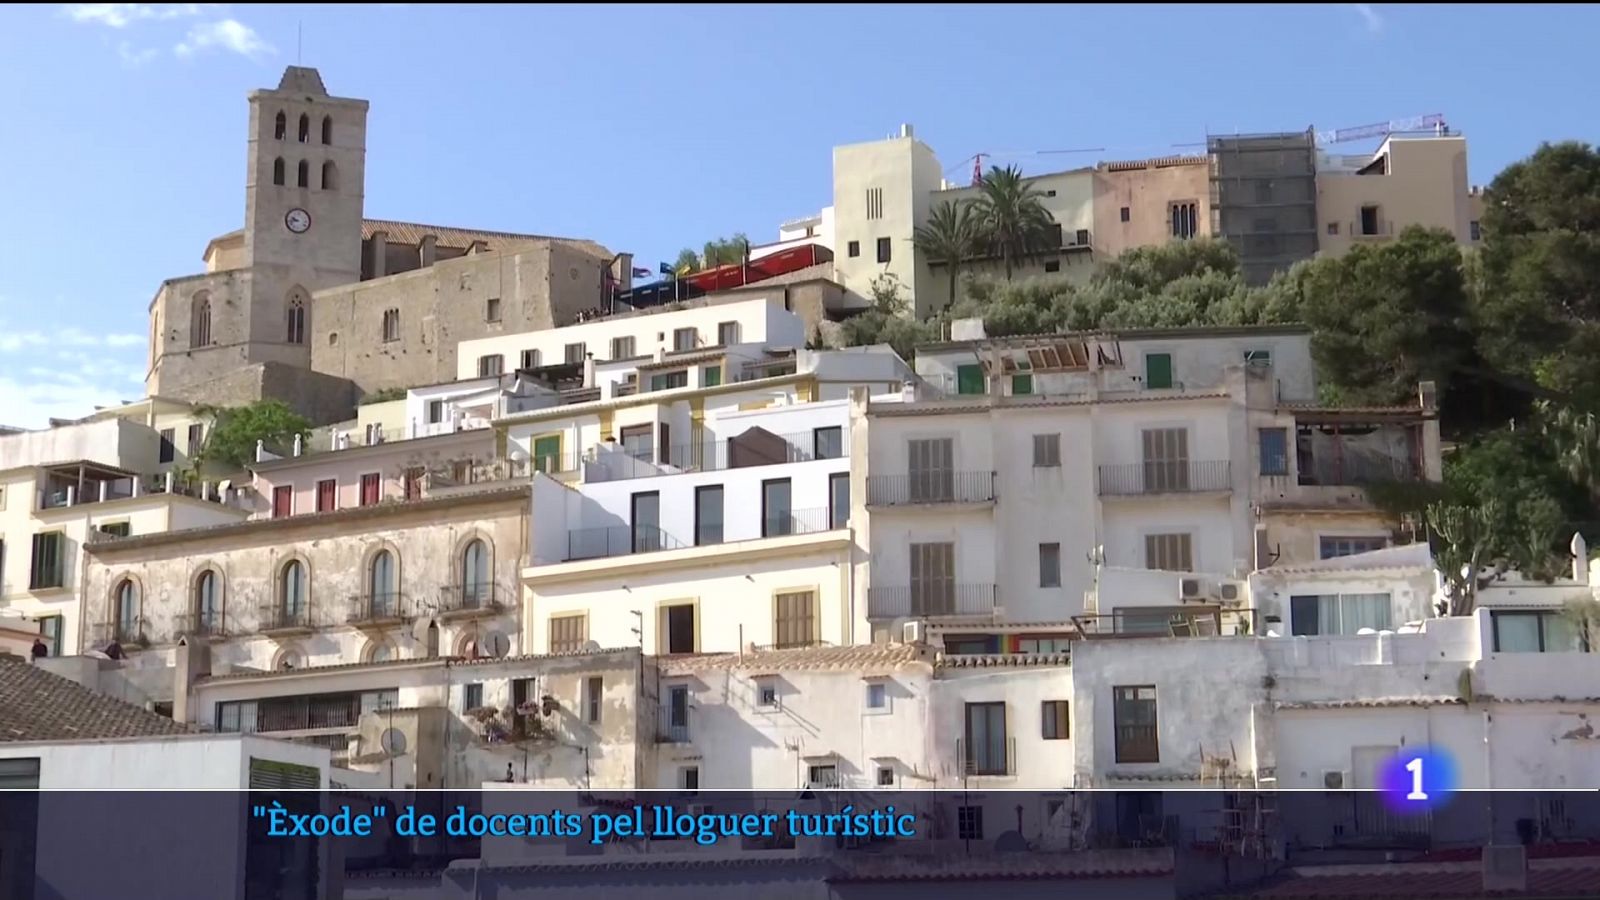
(297, 220)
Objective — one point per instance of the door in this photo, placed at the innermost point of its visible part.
(839, 499)
(646, 522)
(931, 464)
(678, 629)
(325, 495)
(1158, 370)
(282, 501)
(776, 514)
(969, 379)
(1166, 460)
(933, 571)
(547, 453)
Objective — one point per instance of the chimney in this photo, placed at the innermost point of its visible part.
(190, 663)
(905, 130)
(427, 250)
(1580, 558)
(380, 253)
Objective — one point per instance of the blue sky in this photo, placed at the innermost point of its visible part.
(653, 128)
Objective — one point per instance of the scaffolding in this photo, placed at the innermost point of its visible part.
(1264, 199)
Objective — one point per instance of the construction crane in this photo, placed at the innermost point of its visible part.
(1433, 121)
(977, 158)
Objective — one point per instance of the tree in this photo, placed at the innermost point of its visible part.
(1016, 226)
(1575, 440)
(1583, 614)
(725, 251)
(887, 321)
(687, 262)
(232, 442)
(1463, 539)
(949, 237)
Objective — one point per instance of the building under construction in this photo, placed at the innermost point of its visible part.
(1264, 199)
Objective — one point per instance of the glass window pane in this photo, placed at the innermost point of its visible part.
(1516, 632)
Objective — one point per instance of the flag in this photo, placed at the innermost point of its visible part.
(640, 273)
(686, 269)
(666, 268)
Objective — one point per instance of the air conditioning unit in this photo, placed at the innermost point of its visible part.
(1334, 779)
(1230, 591)
(913, 632)
(1193, 589)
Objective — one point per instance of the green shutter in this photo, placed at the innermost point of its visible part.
(713, 376)
(969, 380)
(1022, 384)
(1158, 370)
(547, 453)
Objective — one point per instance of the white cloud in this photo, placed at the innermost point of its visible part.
(12, 340)
(228, 34)
(134, 58)
(1370, 16)
(32, 404)
(124, 340)
(121, 15)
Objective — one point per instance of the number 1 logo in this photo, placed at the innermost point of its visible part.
(1415, 768)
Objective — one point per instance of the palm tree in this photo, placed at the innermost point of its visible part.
(950, 236)
(1576, 437)
(1011, 213)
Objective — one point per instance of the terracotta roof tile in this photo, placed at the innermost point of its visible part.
(1003, 660)
(866, 657)
(413, 233)
(36, 705)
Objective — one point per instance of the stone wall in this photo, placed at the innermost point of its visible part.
(321, 398)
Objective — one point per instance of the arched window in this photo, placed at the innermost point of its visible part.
(282, 127)
(381, 584)
(305, 128)
(327, 129)
(292, 592)
(207, 603)
(379, 651)
(391, 325)
(277, 171)
(475, 574)
(200, 319)
(296, 314)
(127, 623)
(304, 172)
(330, 176)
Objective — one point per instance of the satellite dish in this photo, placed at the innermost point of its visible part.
(591, 646)
(494, 645)
(393, 741)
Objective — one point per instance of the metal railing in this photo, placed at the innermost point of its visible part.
(1137, 744)
(672, 725)
(1168, 622)
(1165, 477)
(281, 617)
(932, 486)
(750, 448)
(134, 632)
(796, 521)
(200, 624)
(930, 600)
(986, 758)
(377, 608)
(618, 540)
(486, 597)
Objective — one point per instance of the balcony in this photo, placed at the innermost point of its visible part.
(930, 488)
(200, 625)
(467, 601)
(992, 757)
(1356, 470)
(926, 601)
(672, 725)
(282, 620)
(382, 610)
(1165, 477)
(618, 540)
(130, 632)
(755, 447)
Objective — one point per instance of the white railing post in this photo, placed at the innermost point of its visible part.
(72, 495)
(261, 451)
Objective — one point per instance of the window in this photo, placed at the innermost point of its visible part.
(491, 309)
(567, 633)
(593, 692)
(1166, 459)
(491, 365)
(1274, 443)
(303, 174)
(1022, 384)
(413, 482)
(116, 529)
(853, 249)
(292, 591)
(1369, 220)
(330, 176)
(277, 171)
(622, 348)
(1050, 193)
(280, 126)
(200, 319)
(689, 778)
(435, 412)
(530, 359)
(777, 517)
(711, 376)
(1334, 547)
(985, 739)
(678, 631)
(970, 380)
(969, 823)
(1047, 451)
(828, 443)
(282, 501)
(1044, 645)
(1081, 238)
(1049, 565)
(838, 500)
(50, 629)
(574, 353)
(196, 438)
(547, 454)
(305, 128)
(391, 325)
(1133, 713)
(639, 442)
(933, 577)
(824, 775)
(49, 561)
(295, 326)
(1052, 265)
(874, 203)
(371, 489)
(1185, 220)
(1536, 631)
(767, 692)
(685, 338)
(930, 463)
(1053, 721)
(471, 697)
(127, 614)
(708, 515)
(327, 129)
(381, 592)
(1158, 370)
(1475, 230)
(885, 776)
(327, 492)
(208, 602)
(475, 573)
(168, 450)
(1258, 359)
(877, 695)
(883, 249)
(1333, 228)
(1126, 214)
(727, 333)
(646, 510)
(669, 380)
(1263, 192)
(794, 619)
(1339, 613)
(1168, 552)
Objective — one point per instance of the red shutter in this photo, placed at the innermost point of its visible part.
(327, 493)
(369, 489)
(282, 501)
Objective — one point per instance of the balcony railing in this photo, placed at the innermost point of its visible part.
(134, 632)
(992, 757)
(930, 487)
(1137, 744)
(385, 608)
(672, 725)
(281, 618)
(465, 599)
(752, 448)
(1165, 477)
(1357, 470)
(797, 521)
(618, 540)
(200, 624)
(930, 600)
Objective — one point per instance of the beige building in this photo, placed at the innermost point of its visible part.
(881, 191)
(1150, 201)
(315, 304)
(1409, 180)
